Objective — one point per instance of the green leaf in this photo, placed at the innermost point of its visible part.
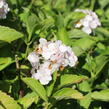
(103, 3)
(16, 2)
(60, 4)
(102, 95)
(13, 2)
(67, 93)
(81, 45)
(100, 63)
(73, 16)
(4, 62)
(67, 79)
(102, 31)
(1, 107)
(51, 85)
(8, 35)
(63, 36)
(46, 24)
(86, 101)
(28, 99)
(31, 24)
(96, 64)
(8, 102)
(76, 33)
(84, 86)
(24, 15)
(5, 57)
(7, 86)
(30, 20)
(36, 86)
(92, 4)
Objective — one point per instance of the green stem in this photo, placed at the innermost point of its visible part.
(18, 70)
(46, 106)
(28, 44)
(26, 53)
(92, 4)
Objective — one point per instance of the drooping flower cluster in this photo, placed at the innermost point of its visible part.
(3, 9)
(50, 57)
(89, 22)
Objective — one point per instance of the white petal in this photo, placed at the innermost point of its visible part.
(52, 48)
(49, 78)
(63, 48)
(72, 61)
(43, 81)
(85, 22)
(65, 62)
(1, 4)
(58, 43)
(93, 24)
(33, 57)
(89, 18)
(36, 75)
(42, 40)
(46, 55)
(87, 30)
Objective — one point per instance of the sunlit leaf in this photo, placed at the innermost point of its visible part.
(86, 101)
(67, 79)
(102, 95)
(28, 99)
(36, 86)
(67, 93)
(81, 45)
(76, 33)
(8, 35)
(50, 87)
(8, 102)
(96, 64)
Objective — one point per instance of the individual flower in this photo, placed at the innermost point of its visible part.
(3, 9)
(49, 57)
(89, 22)
(34, 59)
(47, 48)
(43, 73)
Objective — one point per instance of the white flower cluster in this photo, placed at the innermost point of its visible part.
(50, 57)
(3, 9)
(89, 22)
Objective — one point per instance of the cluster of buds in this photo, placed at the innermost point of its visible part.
(89, 22)
(3, 9)
(49, 57)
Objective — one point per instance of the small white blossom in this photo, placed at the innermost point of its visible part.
(63, 48)
(43, 73)
(89, 22)
(42, 76)
(48, 49)
(50, 57)
(34, 59)
(3, 9)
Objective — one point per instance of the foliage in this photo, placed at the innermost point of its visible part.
(83, 87)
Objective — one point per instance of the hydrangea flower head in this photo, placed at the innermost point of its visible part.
(89, 22)
(3, 9)
(49, 57)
